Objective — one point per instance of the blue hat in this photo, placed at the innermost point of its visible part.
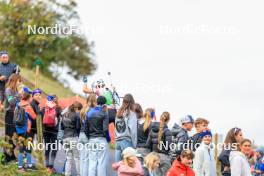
(205, 133)
(187, 119)
(36, 91)
(50, 98)
(260, 150)
(26, 90)
(3, 52)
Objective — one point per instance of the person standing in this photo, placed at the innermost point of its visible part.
(6, 70)
(12, 98)
(84, 133)
(97, 122)
(233, 138)
(51, 117)
(70, 125)
(239, 163)
(180, 135)
(125, 127)
(144, 126)
(204, 162)
(159, 140)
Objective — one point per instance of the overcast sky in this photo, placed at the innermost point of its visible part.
(198, 57)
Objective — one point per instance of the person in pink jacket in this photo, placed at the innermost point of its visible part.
(130, 165)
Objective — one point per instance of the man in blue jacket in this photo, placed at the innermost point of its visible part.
(6, 70)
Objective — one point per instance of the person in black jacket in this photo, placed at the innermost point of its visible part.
(71, 126)
(36, 99)
(143, 129)
(159, 140)
(233, 138)
(97, 122)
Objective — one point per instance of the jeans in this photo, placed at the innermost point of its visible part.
(98, 157)
(120, 146)
(20, 159)
(72, 153)
(84, 154)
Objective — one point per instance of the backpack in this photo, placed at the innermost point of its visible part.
(50, 119)
(20, 116)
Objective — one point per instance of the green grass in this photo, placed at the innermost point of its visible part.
(50, 86)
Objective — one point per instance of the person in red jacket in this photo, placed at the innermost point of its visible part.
(181, 166)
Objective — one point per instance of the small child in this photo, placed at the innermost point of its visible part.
(24, 115)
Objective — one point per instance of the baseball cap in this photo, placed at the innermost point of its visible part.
(187, 119)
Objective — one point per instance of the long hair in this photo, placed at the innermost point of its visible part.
(138, 110)
(90, 103)
(231, 137)
(12, 82)
(74, 106)
(165, 117)
(150, 159)
(147, 117)
(127, 106)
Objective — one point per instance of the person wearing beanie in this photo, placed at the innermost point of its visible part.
(51, 115)
(204, 162)
(23, 128)
(180, 135)
(36, 99)
(130, 165)
(259, 162)
(97, 122)
(6, 70)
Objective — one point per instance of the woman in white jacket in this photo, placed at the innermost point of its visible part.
(204, 162)
(238, 161)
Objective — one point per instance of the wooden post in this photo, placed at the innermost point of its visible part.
(36, 76)
(216, 149)
(40, 153)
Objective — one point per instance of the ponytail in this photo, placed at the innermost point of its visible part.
(165, 117)
(90, 103)
(147, 116)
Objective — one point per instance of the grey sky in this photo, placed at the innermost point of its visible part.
(203, 58)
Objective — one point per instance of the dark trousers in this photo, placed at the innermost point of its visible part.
(50, 137)
(9, 132)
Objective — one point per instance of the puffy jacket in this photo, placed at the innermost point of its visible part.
(97, 122)
(179, 137)
(124, 170)
(70, 124)
(165, 142)
(225, 164)
(142, 135)
(239, 164)
(178, 169)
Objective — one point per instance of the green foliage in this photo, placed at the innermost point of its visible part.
(64, 50)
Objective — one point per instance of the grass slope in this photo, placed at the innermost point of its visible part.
(47, 84)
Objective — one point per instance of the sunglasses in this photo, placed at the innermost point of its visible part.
(236, 130)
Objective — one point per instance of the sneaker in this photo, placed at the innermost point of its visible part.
(31, 168)
(21, 170)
